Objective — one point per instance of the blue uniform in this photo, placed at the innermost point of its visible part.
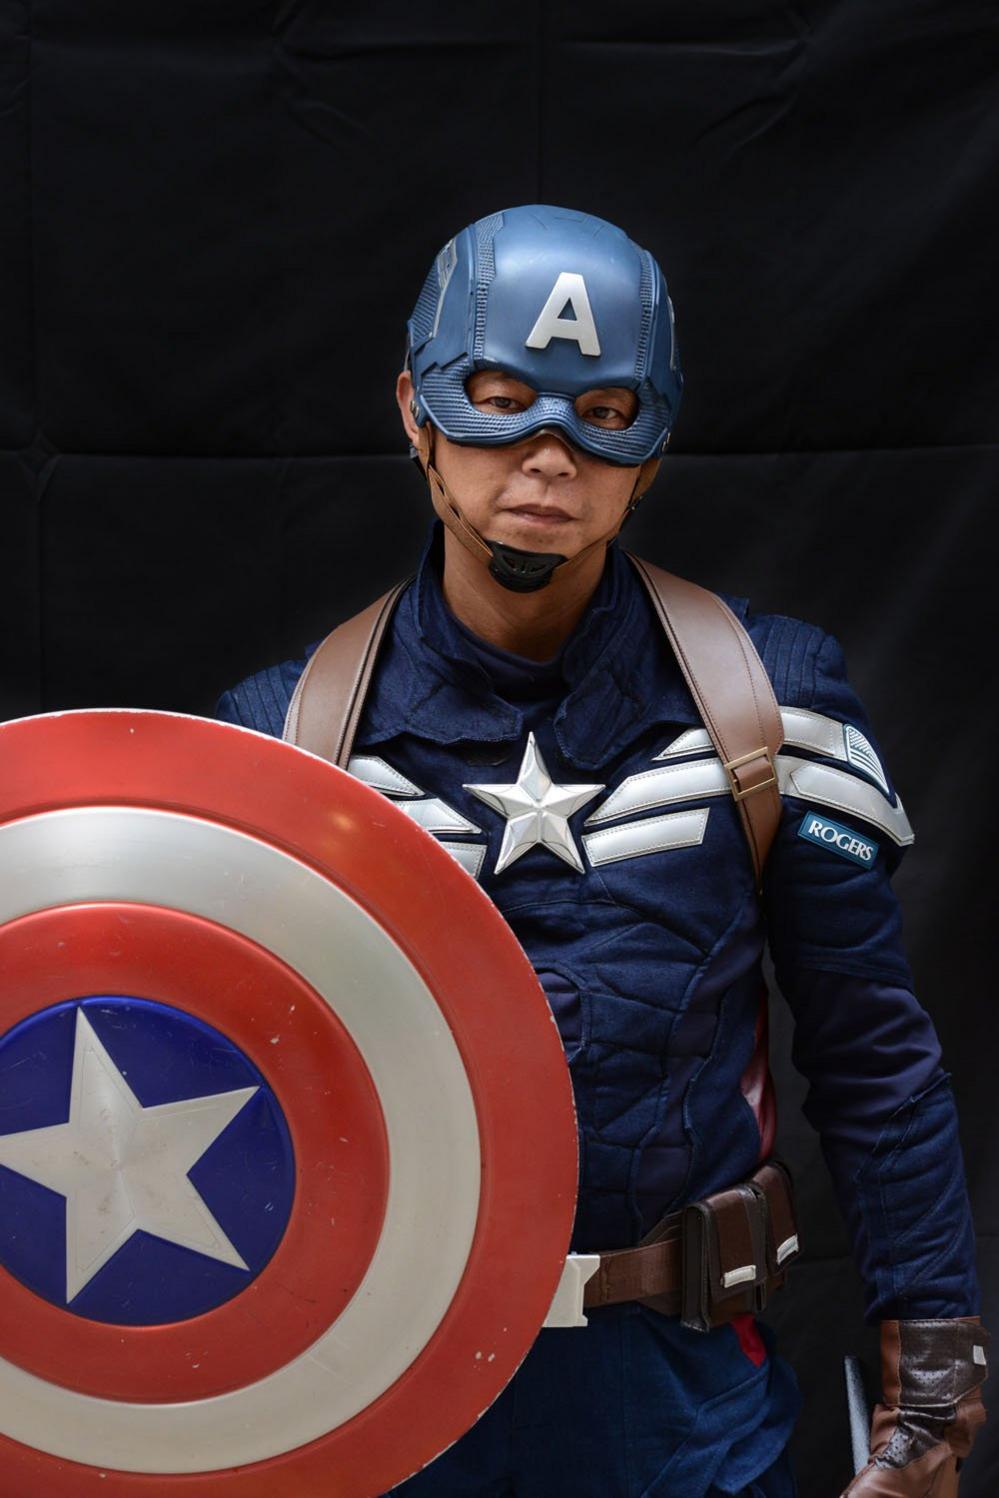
(647, 934)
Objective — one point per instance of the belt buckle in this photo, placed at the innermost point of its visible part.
(730, 765)
(567, 1304)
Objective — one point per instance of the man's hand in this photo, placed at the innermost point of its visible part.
(931, 1378)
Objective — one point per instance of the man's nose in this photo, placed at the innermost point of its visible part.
(549, 455)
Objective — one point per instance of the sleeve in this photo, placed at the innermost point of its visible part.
(227, 710)
(878, 1094)
(261, 701)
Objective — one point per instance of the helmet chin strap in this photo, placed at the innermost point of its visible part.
(520, 571)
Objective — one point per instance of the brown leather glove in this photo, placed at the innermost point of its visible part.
(931, 1378)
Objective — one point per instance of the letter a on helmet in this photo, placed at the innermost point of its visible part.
(569, 291)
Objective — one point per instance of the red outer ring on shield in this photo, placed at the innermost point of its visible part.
(441, 920)
(337, 1129)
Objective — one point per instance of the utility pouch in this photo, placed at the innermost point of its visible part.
(773, 1185)
(736, 1245)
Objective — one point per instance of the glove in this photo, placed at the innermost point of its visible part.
(931, 1378)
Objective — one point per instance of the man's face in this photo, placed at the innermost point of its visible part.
(541, 494)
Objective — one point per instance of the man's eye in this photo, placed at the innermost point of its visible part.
(502, 402)
(605, 415)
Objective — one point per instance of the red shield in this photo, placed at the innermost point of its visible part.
(287, 1146)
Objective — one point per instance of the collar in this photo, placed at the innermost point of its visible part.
(432, 681)
(515, 678)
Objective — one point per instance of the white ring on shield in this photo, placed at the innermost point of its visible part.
(187, 863)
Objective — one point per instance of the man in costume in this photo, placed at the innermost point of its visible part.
(528, 708)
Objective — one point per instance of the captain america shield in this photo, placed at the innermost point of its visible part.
(287, 1144)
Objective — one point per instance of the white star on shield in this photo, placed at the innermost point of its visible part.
(123, 1167)
(537, 810)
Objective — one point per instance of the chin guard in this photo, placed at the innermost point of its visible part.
(522, 571)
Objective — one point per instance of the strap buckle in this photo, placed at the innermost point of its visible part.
(731, 765)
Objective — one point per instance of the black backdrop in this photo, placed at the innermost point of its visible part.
(216, 216)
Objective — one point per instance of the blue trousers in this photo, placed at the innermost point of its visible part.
(632, 1406)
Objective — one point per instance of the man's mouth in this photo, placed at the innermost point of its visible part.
(546, 513)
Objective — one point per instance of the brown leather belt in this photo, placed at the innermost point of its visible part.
(713, 1259)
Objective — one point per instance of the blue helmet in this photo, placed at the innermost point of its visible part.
(563, 301)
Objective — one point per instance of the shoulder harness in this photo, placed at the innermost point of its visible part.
(721, 666)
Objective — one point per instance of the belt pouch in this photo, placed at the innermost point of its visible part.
(724, 1256)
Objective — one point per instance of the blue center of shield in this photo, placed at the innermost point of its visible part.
(146, 1168)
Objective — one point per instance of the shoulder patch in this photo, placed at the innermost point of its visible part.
(860, 752)
(838, 839)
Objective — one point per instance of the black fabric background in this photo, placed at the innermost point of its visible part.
(216, 217)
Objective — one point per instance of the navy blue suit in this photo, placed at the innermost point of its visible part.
(649, 947)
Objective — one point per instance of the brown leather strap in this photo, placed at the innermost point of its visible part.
(732, 693)
(638, 1273)
(327, 703)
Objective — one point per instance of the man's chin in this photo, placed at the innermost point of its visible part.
(536, 532)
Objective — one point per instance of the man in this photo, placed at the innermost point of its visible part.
(525, 685)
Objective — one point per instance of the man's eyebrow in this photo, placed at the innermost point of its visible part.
(500, 374)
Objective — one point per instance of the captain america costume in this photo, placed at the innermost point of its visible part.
(647, 933)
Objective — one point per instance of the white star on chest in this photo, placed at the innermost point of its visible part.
(123, 1167)
(537, 810)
